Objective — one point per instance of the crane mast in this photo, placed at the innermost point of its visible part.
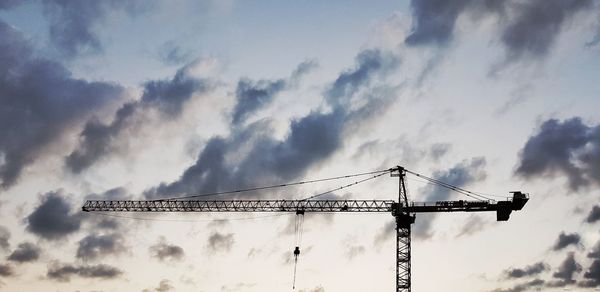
(403, 212)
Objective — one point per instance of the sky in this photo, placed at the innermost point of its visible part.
(106, 99)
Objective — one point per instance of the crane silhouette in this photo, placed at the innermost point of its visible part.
(402, 210)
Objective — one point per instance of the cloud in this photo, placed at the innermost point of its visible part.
(25, 252)
(439, 150)
(595, 253)
(4, 237)
(386, 232)
(40, 102)
(517, 96)
(527, 30)
(53, 219)
(473, 225)
(166, 252)
(369, 65)
(528, 271)
(433, 21)
(568, 148)
(460, 175)
(310, 140)
(566, 271)
(63, 272)
(594, 215)
(73, 24)
(355, 250)
(8, 4)
(167, 96)
(316, 289)
(163, 286)
(237, 287)
(595, 40)
(302, 69)
(218, 242)
(253, 95)
(527, 286)
(172, 54)
(6, 270)
(535, 25)
(565, 240)
(592, 275)
(94, 246)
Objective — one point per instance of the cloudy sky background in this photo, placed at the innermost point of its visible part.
(150, 99)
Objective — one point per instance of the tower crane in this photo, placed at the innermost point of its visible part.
(403, 211)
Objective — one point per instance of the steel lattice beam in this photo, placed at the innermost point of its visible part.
(241, 206)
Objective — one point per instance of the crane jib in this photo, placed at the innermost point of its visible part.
(503, 208)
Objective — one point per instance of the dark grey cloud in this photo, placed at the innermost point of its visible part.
(566, 271)
(172, 54)
(8, 4)
(218, 242)
(566, 239)
(25, 252)
(592, 275)
(40, 101)
(164, 251)
(386, 232)
(439, 150)
(4, 237)
(6, 270)
(94, 246)
(528, 271)
(433, 21)
(460, 175)
(74, 24)
(595, 252)
(63, 272)
(168, 96)
(568, 148)
(310, 140)
(473, 225)
(253, 95)
(535, 26)
(164, 286)
(302, 69)
(369, 65)
(535, 284)
(594, 215)
(97, 139)
(53, 218)
(527, 30)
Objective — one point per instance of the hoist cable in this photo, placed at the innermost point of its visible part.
(298, 235)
